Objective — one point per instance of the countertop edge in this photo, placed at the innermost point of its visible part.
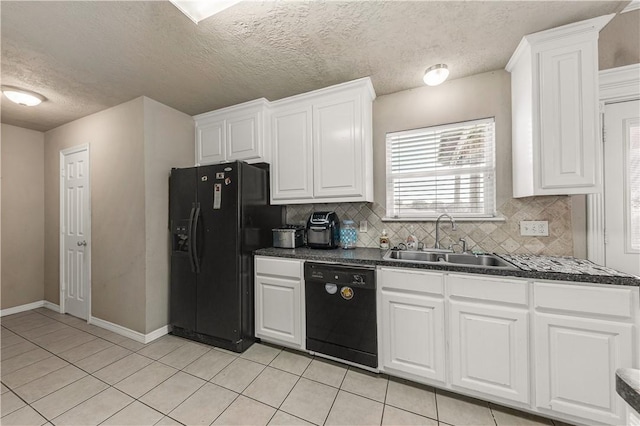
(372, 256)
(628, 386)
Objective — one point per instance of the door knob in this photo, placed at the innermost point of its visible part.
(82, 243)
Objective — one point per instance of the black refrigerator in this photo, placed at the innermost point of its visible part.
(218, 216)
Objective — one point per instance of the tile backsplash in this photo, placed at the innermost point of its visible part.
(494, 237)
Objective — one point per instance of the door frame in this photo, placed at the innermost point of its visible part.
(616, 85)
(63, 154)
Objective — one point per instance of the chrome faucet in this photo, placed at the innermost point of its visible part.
(453, 228)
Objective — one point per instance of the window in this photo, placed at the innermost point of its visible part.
(442, 169)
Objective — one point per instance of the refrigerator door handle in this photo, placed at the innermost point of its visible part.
(194, 242)
(190, 245)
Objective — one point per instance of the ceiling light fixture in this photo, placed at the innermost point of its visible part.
(436, 74)
(197, 10)
(21, 96)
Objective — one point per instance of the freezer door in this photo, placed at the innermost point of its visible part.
(219, 295)
(182, 204)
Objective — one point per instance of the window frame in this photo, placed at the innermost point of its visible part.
(489, 213)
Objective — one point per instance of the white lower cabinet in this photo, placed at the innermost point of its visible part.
(547, 347)
(489, 335)
(279, 301)
(578, 347)
(411, 310)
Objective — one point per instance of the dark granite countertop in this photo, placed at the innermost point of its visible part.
(527, 266)
(628, 386)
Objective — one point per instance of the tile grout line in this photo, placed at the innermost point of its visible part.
(384, 401)
(435, 397)
(335, 398)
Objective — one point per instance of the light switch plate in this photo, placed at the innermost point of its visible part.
(364, 225)
(534, 228)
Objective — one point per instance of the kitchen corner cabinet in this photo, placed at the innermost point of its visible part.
(556, 144)
(582, 335)
(239, 132)
(279, 301)
(322, 145)
(411, 315)
(489, 335)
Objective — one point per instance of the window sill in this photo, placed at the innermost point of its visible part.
(457, 219)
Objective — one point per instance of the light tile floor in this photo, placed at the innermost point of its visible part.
(56, 369)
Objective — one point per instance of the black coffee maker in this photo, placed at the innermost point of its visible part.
(323, 230)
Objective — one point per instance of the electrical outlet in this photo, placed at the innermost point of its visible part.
(364, 225)
(534, 228)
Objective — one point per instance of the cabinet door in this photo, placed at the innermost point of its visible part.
(413, 334)
(292, 162)
(278, 310)
(244, 136)
(568, 156)
(210, 141)
(576, 361)
(490, 349)
(338, 158)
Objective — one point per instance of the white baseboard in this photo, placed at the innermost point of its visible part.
(126, 332)
(21, 308)
(118, 329)
(149, 337)
(29, 306)
(51, 306)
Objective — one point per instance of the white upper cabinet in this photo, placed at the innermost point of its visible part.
(239, 132)
(554, 96)
(292, 171)
(323, 146)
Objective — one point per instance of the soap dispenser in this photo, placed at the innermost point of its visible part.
(384, 240)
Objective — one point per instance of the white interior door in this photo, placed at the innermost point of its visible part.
(622, 186)
(75, 228)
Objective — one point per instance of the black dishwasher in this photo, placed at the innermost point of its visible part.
(340, 304)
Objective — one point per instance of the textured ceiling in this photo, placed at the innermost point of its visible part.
(86, 56)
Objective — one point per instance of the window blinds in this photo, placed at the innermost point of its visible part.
(448, 168)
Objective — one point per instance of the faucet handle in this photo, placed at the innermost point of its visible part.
(464, 244)
(412, 242)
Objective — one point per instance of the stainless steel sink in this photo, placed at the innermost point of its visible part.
(460, 259)
(486, 260)
(412, 256)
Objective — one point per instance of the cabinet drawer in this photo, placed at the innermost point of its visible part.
(615, 302)
(417, 281)
(488, 288)
(278, 267)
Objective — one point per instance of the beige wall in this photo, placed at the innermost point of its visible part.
(619, 42)
(132, 149)
(22, 275)
(169, 137)
(479, 96)
(116, 141)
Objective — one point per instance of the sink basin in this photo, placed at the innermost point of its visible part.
(414, 256)
(486, 260)
(461, 259)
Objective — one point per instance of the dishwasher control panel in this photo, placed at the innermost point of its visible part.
(340, 274)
